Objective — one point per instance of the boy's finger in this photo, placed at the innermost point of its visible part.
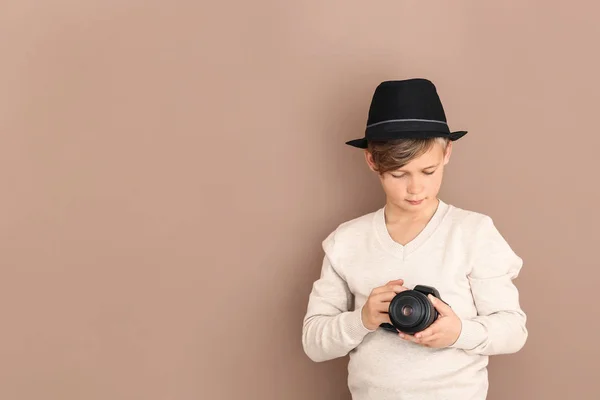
(395, 286)
(443, 308)
(407, 337)
(385, 296)
(398, 288)
(430, 339)
(387, 291)
(396, 282)
(383, 307)
(432, 330)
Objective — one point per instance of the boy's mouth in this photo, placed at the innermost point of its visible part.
(415, 202)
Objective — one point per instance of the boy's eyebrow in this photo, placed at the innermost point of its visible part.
(431, 166)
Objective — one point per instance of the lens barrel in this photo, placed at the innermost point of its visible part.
(411, 311)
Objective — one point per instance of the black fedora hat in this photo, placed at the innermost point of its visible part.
(406, 109)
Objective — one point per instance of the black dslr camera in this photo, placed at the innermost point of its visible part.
(411, 311)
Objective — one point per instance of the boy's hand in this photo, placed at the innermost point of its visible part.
(443, 332)
(375, 310)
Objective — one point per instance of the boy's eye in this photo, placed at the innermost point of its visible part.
(429, 173)
(397, 176)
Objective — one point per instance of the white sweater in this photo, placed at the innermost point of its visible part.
(459, 252)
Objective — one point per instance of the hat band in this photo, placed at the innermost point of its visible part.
(385, 130)
(406, 120)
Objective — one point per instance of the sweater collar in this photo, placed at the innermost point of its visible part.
(398, 249)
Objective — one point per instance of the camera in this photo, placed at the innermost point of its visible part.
(411, 311)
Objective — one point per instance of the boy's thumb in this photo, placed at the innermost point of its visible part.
(439, 305)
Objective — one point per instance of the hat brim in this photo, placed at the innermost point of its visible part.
(363, 143)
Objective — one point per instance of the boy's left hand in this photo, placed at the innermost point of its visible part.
(443, 332)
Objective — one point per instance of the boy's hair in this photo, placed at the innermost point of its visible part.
(394, 154)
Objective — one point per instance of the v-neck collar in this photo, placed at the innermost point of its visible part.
(398, 249)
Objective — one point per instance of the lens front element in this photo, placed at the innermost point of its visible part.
(411, 311)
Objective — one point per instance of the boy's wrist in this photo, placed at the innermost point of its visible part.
(361, 317)
(363, 320)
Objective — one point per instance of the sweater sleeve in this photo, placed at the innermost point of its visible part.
(330, 329)
(499, 327)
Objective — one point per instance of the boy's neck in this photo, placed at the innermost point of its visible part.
(396, 215)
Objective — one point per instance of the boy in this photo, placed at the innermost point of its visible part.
(414, 239)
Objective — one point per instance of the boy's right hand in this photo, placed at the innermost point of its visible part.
(375, 310)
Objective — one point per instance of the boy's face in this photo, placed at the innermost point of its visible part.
(415, 186)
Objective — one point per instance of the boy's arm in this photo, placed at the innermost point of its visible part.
(499, 327)
(330, 329)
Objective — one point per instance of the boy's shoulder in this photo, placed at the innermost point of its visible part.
(353, 229)
(477, 227)
(362, 223)
(466, 217)
(473, 226)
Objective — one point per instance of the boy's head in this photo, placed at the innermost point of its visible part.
(410, 170)
(408, 141)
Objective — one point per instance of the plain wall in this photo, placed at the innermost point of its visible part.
(169, 170)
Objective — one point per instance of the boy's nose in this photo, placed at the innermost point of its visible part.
(414, 187)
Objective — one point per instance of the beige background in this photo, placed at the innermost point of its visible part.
(169, 170)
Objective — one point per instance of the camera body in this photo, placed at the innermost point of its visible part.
(411, 311)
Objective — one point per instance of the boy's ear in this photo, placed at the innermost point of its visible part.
(369, 159)
(448, 153)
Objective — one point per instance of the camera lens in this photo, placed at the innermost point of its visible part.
(411, 311)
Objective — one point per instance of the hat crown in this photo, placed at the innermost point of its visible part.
(405, 109)
(406, 99)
